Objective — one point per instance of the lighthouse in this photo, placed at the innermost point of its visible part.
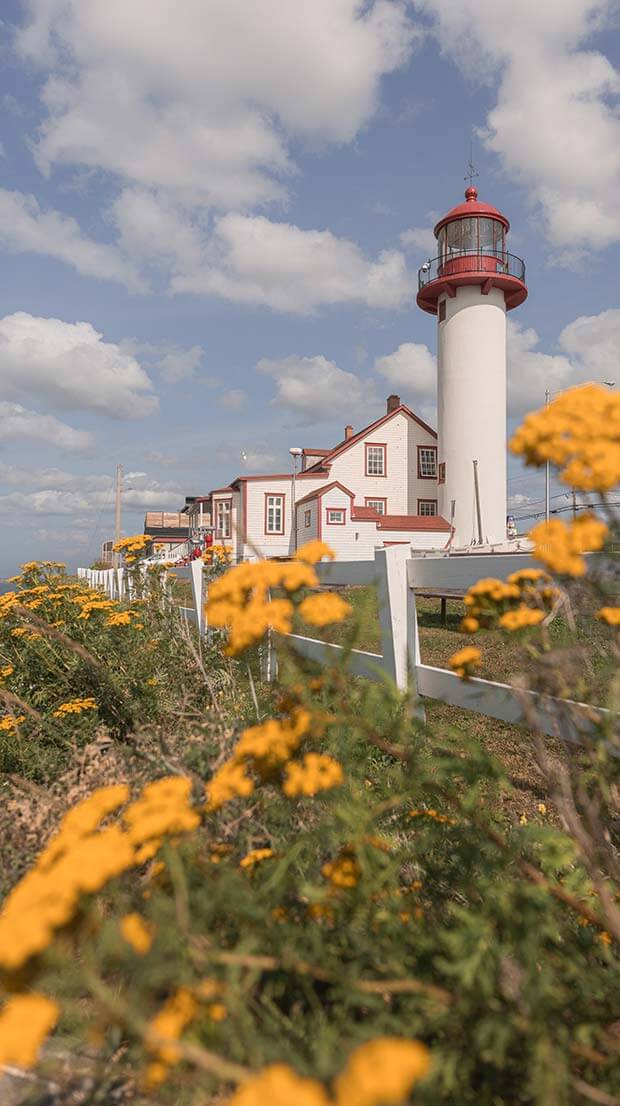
(470, 286)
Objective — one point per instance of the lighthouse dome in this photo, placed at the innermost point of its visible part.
(472, 208)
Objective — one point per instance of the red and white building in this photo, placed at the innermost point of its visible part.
(377, 487)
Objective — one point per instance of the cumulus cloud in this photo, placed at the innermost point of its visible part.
(421, 239)
(17, 423)
(250, 259)
(554, 125)
(73, 494)
(234, 399)
(307, 386)
(204, 105)
(71, 368)
(24, 228)
(179, 364)
(411, 370)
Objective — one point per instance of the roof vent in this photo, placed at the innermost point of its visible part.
(392, 403)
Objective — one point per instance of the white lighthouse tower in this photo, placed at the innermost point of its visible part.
(470, 286)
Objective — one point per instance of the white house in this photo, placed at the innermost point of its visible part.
(377, 487)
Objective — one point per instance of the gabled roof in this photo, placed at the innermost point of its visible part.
(316, 471)
(318, 492)
(315, 452)
(413, 522)
(342, 446)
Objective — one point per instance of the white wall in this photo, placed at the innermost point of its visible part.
(273, 545)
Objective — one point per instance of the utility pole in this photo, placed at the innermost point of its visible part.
(547, 511)
(295, 453)
(117, 511)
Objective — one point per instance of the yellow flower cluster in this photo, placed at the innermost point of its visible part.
(344, 871)
(313, 552)
(217, 554)
(521, 619)
(229, 782)
(321, 610)
(6, 671)
(133, 544)
(579, 432)
(610, 615)
(560, 546)
(465, 661)
(123, 618)
(167, 1026)
(239, 600)
(10, 722)
(82, 857)
(136, 933)
(264, 747)
(254, 857)
(381, 1071)
(316, 772)
(520, 602)
(25, 1022)
(75, 706)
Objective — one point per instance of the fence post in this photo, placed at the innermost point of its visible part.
(197, 569)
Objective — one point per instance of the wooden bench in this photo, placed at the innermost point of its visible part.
(444, 595)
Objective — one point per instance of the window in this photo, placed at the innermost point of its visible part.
(441, 477)
(307, 518)
(427, 506)
(274, 514)
(378, 505)
(442, 311)
(335, 516)
(427, 462)
(222, 518)
(375, 460)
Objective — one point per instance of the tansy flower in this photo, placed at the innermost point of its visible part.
(316, 772)
(469, 625)
(10, 722)
(75, 706)
(342, 872)
(163, 1032)
(136, 933)
(560, 546)
(321, 610)
(6, 671)
(25, 1022)
(279, 1085)
(464, 662)
(314, 551)
(381, 1071)
(254, 857)
(228, 782)
(520, 619)
(610, 615)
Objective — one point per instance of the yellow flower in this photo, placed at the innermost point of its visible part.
(560, 546)
(520, 619)
(381, 1071)
(316, 772)
(227, 783)
(25, 1022)
(274, 741)
(75, 706)
(610, 615)
(279, 1085)
(11, 722)
(137, 933)
(251, 859)
(528, 576)
(6, 671)
(465, 661)
(469, 625)
(342, 872)
(580, 433)
(321, 610)
(164, 1030)
(314, 551)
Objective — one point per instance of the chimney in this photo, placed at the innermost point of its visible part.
(392, 403)
(348, 433)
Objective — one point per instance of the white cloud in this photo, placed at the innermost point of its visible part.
(519, 500)
(200, 98)
(179, 364)
(594, 341)
(71, 368)
(255, 261)
(53, 478)
(553, 126)
(234, 399)
(17, 423)
(308, 387)
(411, 370)
(24, 228)
(79, 495)
(421, 239)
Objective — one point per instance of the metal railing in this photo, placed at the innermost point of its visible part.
(471, 261)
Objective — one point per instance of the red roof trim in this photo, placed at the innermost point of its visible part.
(318, 492)
(279, 476)
(361, 434)
(413, 522)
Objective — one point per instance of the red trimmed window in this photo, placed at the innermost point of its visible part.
(222, 518)
(379, 505)
(335, 516)
(274, 514)
(427, 507)
(376, 459)
(427, 462)
(307, 518)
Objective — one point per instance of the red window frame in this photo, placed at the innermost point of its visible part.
(330, 522)
(307, 518)
(375, 445)
(421, 514)
(370, 499)
(420, 474)
(275, 495)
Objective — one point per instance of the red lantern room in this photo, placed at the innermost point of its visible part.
(471, 241)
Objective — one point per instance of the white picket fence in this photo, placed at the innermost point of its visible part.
(397, 574)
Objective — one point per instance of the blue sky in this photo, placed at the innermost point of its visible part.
(233, 198)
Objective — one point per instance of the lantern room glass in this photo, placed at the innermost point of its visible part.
(473, 235)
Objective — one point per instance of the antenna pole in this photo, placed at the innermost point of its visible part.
(117, 510)
(477, 494)
(471, 168)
